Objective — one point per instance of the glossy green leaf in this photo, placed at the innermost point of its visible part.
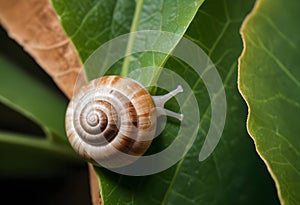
(233, 174)
(92, 23)
(22, 92)
(269, 82)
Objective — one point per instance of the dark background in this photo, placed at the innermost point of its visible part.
(71, 186)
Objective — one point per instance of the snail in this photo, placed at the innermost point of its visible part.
(111, 121)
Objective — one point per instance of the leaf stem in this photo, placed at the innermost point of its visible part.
(32, 142)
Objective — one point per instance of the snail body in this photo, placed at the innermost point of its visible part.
(112, 120)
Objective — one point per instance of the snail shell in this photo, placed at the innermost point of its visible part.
(112, 120)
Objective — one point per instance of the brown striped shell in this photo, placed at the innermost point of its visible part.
(111, 121)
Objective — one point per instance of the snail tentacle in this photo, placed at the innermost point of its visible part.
(160, 101)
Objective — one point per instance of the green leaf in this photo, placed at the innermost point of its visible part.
(91, 23)
(32, 98)
(233, 174)
(269, 82)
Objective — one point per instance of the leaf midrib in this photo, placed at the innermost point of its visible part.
(134, 26)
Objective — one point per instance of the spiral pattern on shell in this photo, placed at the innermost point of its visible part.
(111, 121)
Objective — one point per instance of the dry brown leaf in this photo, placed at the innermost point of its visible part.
(36, 27)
